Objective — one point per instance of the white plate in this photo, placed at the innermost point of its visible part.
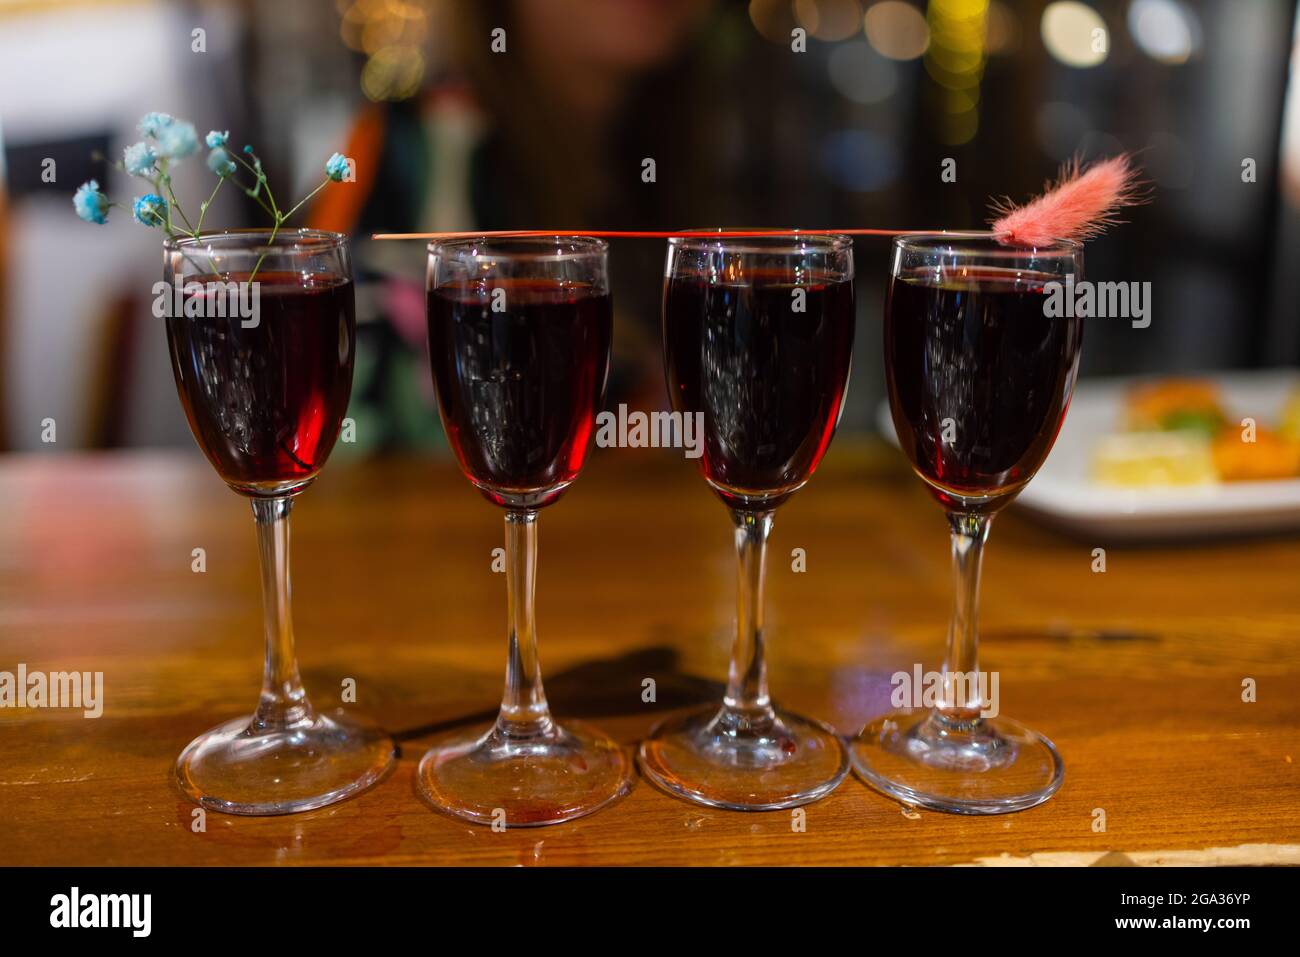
(1063, 493)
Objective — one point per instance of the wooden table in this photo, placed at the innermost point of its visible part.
(1135, 673)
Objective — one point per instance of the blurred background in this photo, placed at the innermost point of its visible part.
(745, 130)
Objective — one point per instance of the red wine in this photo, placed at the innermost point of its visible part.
(979, 380)
(265, 403)
(770, 380)
(519, 389)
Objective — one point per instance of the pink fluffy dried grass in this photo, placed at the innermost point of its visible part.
(1079, 205)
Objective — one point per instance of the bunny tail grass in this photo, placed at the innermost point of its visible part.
(1078, 206)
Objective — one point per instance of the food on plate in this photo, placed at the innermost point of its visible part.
(1178, 432)
(1290, 424)
(1268, 456)
(1174, 405)
(1146, 459)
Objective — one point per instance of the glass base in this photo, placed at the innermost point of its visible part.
(309, 764)
(722, 758)
(482, 775)
(987, 766)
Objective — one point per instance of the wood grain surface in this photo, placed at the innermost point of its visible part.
(1135, 673)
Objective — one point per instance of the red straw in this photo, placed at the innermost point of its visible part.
(647, 234)
(1078, 206)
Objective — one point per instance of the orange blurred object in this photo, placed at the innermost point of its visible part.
(1269, 456)
(1152, 404)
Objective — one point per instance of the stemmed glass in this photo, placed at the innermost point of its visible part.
(757, 336)
(980, 373)
(261, 336)
(519, 342)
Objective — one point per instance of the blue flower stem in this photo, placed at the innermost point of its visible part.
(270, 197)
(203, 209)
(252, 194)
(156, 184)
(198, 229)
(167, 184)
(260, 179)
(300, 202)
(269, 243)
(165, 181)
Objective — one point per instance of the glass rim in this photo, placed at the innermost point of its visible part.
(585, 247)
(285, 239)
(775, 242)
(962, 242)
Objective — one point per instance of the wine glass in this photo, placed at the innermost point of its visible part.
(261, 336)
(758, 333)
(519, 342)
(980, 373)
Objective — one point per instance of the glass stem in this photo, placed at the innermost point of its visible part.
(747, 682)
(284, 702)
(524, 712)
(961, 697)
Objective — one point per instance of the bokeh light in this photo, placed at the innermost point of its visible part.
(860, 74)
(1075, 34)
(897, 30)
(392, 73)
(773, 19)
(1061, 127)
(1098, 143)
(1003, 33)
(1165, 30)
(955, 61)
(859, 161)
(829, 19)
(392, 34)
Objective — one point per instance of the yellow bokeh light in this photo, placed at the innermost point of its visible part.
(393, 73)
(959, 101)
(955, 62)
(391, 32)
(958, 128)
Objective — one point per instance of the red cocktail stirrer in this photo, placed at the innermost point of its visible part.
(1079, 205)
(644, 233)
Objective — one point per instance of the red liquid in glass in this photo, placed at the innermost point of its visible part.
(769, 380)
(977, 357)
(519, 389)
(265, 403)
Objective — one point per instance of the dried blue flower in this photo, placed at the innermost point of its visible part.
(150, 210)
(336, 167)
(90, 204)
(178, 140)
(151, 124)
(221, 162)
(139, 159)
(167, 138)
